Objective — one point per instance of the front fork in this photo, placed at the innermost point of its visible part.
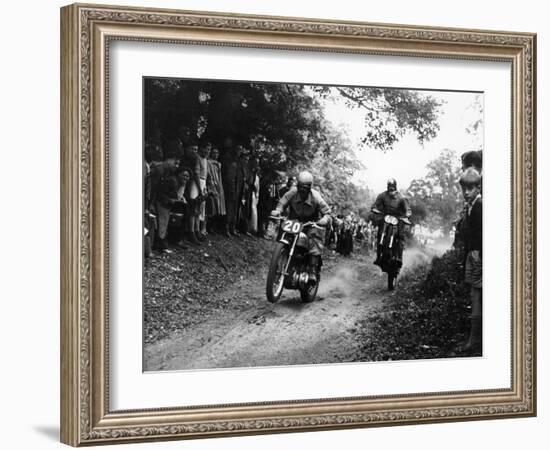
(290, 254)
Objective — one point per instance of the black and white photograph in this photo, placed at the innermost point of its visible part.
(295, 224)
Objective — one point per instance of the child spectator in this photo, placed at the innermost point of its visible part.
(471, 232)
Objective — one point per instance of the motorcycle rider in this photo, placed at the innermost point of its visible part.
(393, 203)
(305, 205)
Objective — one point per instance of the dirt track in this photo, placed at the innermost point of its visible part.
(254, 332)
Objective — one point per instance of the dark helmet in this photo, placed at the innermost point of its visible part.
(391, 183)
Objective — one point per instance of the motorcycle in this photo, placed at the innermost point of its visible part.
(390, 257)
(288, 267)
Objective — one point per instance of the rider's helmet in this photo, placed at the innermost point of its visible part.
(391, 184)
(305, 181)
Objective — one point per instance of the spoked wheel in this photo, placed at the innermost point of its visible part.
(276, 273)
(309, 293)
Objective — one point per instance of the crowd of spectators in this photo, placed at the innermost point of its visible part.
(190, 192)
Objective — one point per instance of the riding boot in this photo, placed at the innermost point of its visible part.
(312, 269)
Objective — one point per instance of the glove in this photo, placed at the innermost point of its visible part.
(321, 223)
(275, 213)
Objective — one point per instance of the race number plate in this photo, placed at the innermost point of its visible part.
(291, 226)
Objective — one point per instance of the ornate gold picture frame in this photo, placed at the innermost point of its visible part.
(87, 31)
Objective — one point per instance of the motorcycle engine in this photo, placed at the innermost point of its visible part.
(303, 280)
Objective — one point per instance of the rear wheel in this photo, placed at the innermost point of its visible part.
(276, 273)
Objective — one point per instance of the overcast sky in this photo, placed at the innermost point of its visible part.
(408, 159)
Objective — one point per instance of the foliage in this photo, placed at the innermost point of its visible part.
(438, 197)
(475, 128)
(390, 113)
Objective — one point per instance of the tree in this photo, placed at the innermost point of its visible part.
(438, 193)
(475, 127)
(389, 113)
(285, 125)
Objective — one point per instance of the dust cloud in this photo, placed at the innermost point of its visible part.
(340, 284)
(416, 256)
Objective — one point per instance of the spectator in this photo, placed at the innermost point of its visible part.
(268, 198)
(472, 159)
(148, 218)
(470, 181)
(167, 196)
(253, 195)
(217, 195)
(184, 136)
(229, 178)
(191, 163)
(151, 178)
(243, 187)
(204, 153)
(181, 207)
(290, 183)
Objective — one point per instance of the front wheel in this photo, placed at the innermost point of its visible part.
(309, 293)
(276, 273)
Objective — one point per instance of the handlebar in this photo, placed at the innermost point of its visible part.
(305, 224)
(402, 219)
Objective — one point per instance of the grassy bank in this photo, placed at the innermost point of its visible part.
(426, 317)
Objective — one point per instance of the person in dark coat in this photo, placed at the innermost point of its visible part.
(167, 197)
(290, 183)
(267, 201)
(243, 188)
(229, 178)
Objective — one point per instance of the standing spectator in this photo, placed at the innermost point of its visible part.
(254, 195)
(167, 196)
(191, 163)
(243, 187)
(217, 194)
(204, 153)
(472, 159)
(267, 201)
(151, 178)
(153, 157)
(182, 205)
(184, 136)
(290, 183)
(470, 181)
(229, 178)
(148, 219)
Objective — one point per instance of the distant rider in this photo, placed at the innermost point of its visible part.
(393, 203)
(307, 205)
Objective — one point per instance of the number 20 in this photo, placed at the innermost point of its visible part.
(291, 227)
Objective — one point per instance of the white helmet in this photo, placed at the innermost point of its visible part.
(305, 178)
